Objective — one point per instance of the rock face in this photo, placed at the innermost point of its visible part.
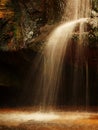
(19, 19)
(17, 72)
(21, 22)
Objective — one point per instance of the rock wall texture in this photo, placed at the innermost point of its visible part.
(26, 24)
(20, 21)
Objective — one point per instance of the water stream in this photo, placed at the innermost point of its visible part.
(76, 14)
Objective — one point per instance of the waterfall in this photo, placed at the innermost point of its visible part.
(76, 14)
(76, 9)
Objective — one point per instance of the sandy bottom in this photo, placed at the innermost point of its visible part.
(52, 120)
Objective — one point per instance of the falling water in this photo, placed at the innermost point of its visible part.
(76, 14)
(76, 9)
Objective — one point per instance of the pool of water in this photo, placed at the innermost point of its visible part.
(52, 120)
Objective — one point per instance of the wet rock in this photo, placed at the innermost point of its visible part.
(94, 13)
(27, 17)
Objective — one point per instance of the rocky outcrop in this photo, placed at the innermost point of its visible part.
(20, 21)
